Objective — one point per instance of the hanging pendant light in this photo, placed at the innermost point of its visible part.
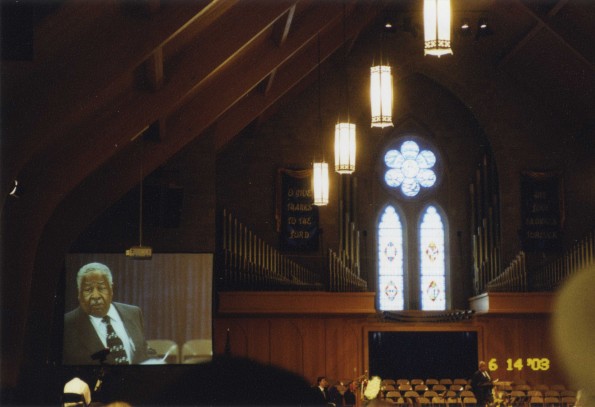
(320, 178)
(345, 131)
(437, 27)
(345, 148)
(320, 183)
(381, 96)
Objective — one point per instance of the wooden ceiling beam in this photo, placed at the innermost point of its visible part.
(154, 70)
(281, 31)
(186, 125)
(83, 67)
(239, 29)
(256, 103)
(116, 125)
(243, 75)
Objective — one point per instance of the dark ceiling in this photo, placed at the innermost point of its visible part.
(104, 72)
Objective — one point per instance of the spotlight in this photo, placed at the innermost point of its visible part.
(389, 25)
(15, 191)
(483, 28)
(465, 28)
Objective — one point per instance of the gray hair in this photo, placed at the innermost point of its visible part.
(88, 268)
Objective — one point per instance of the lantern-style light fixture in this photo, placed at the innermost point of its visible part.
(320, 183)
(320, 178)
(345, 148)
(381, 96)
(345, 130)
(437, 27)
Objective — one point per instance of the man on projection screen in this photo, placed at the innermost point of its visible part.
(99, 329)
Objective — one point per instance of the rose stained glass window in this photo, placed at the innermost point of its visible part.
(409, 169)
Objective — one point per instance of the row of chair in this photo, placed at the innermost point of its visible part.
(537, 393)
(543, 388)
(536, 398)
(434, 401)
(462, 381)
(459, 395)
(549, 402)
(429, 382)
(470, 401)
(440, 388)
(192, 351)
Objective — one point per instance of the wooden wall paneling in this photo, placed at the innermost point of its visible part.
(259, 339)
(314, 363)
(318, 343)
(287, 344)
(343, 350)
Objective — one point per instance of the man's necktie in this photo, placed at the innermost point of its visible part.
(115, 345)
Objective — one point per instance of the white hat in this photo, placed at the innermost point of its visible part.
(77, 386)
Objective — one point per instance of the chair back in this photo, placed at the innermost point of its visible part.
(197, 351)
(420, 388)
(430, 394)
(393, 395)
(439, 388)
(438, 400)
(423, 401)
(536, 401)
(404, 387)
(469, 401)
(164, 348)
(522, 387)
(467, 393)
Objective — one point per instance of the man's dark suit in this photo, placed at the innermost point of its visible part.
(81, 340)
(482, 388)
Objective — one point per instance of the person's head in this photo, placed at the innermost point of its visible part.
(353, 386)
(482, 366)
(95, 289)
(322, 381)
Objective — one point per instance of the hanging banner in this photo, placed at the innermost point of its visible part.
(542, 211)
(297, 217)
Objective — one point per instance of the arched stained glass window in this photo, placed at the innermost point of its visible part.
(390, 261)
(432, 261)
